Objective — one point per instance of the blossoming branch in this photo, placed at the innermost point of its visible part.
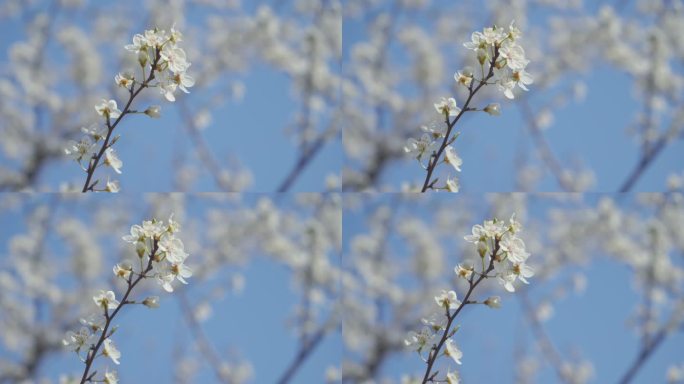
(502, 63)
(502, 255)
(160, 59)
(160, 256)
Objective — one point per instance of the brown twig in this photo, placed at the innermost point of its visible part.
(434, 158)
(435, 350)
(92, 352)
(132, 92)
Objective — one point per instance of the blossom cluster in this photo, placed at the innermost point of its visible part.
(166, 253)
(502, 252)
(160, 256)
(499, 47)
(161, 59)
(500, 58)
(157, 51)
(506, 250)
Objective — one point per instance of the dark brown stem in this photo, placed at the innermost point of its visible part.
(644, 354)
(92, 353)
(435, 351)
(434, 158)
(301, 356)
(133, 93)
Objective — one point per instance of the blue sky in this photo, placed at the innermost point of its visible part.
(249, 132)
(252, 325)
(593, 323)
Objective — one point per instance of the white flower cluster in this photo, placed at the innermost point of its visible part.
(500, 45)
(501, 251)
(500, 57)
(167, 253)
(161, 255)
(498, 240)
(157, 51)
(160, 59)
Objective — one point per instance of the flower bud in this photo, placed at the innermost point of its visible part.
(493, 302)
(151, 302)
(153, 111)
(482, 248)
(140, 249)
(481, 56)
(493, 109)
(143, 57)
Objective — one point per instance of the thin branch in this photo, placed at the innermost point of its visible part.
(203, 344)
(434, 158)
(94, 161)
(643, 164)
(543, 147)
(304, 352)
(549, 352)
(304, 160)
(92, 353)
(202, 149)
(642, 357)
(435, 350)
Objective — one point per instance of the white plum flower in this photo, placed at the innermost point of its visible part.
(447, 300)
(418, 340)
(74, 341)
(447, 106)
(136, 235)
(108, 109)
(80, 149)
(139, 44)
(168, 91)
(94, 322)
(514, 248)
(514, 56)
(111, 351)
(452, 351)
(110, 377)
(477, 41)
(463, 78)
(175, 58)
(153, 229)
(173, 248)
(97, 132)
(508, 273)
(452, 158)
(420, 147)
(463, 272)
(155, 37)
(123, 270)
(124, 80)
(112, 186)
(522, 78)
(106, 300)
(453, 377)
(452, 185)
(112, 160)
(167, 273)
(184, 81)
